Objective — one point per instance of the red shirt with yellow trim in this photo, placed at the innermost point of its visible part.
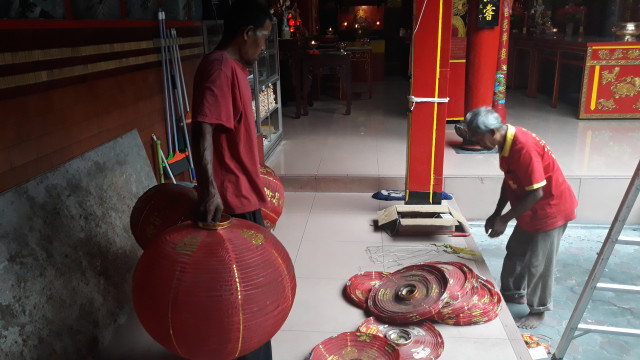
(528, 164)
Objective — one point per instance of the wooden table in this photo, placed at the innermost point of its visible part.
(561, 51)
(325, 62)
(362, 56)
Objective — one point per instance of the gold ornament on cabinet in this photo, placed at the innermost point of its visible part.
(610, 76)
(628, 86)
(606, 104)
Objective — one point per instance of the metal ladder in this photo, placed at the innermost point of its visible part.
(613, 238)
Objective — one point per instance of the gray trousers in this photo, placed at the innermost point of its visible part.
(528, 267)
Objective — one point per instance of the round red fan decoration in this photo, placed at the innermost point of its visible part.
(275, 196)
(411, 294)
(159, 208)
(354, 345)
(483, 306)
(359, 286)
(219, 292)
(417, 341)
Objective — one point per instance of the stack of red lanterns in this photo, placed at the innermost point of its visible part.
(203, 290)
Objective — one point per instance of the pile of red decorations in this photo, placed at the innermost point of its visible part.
(447, 292)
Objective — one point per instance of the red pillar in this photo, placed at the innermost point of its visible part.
(482, 59)
(431, 48)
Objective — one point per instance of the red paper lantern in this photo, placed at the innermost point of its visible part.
(275, 196)
(220, 293)
(159, 208)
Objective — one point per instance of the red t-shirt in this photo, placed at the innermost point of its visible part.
(528, 164)
(222, 97)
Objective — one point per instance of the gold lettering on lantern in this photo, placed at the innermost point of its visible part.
(252, 236)
(606, 104)
(188, 245)
(628, 86)
(350, 352)
(366, 337)
(369, 354)
(610, 77)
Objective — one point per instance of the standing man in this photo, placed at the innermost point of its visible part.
(225, 151)
(542, 202)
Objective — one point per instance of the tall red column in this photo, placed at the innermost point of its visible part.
(431, 49)
(482, 59)
(500, 91)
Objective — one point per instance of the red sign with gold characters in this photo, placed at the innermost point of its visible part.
(611, 82)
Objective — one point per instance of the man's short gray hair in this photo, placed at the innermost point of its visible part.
(483, 119)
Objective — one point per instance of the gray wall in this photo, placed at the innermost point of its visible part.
(67, 254)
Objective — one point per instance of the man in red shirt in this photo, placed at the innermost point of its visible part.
(542, 202)
(225, 151)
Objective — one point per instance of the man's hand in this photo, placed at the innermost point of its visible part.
(491, 220)
(498, 226)
(210, 207)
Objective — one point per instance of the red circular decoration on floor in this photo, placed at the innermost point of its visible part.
(482, 306)
(355, 345)
(159, 208)
(274, 190)
(409, 295)
(416, 341)
(359, 286)
(221, 293)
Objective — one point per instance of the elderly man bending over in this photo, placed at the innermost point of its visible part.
(542, 202)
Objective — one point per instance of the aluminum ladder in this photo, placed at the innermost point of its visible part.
(613, 238)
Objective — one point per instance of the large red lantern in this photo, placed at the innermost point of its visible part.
(214, 293)
(159, 208)
(275, 196)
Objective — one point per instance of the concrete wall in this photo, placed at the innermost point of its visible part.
(67, 253)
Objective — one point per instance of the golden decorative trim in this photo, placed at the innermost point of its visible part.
(633, 53)
(585, 84)
(617, 47)
(594, 92)
(225, 221)
(19, 57)
(613, 62)
(62, 73)
(235, 270)
(606, 104)
(611, 116)
(637, 106)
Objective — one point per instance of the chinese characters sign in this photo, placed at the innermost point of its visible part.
(489, 13)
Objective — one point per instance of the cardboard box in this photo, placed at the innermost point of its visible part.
(421, 219)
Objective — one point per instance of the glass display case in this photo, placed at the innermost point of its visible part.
(265, 84)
